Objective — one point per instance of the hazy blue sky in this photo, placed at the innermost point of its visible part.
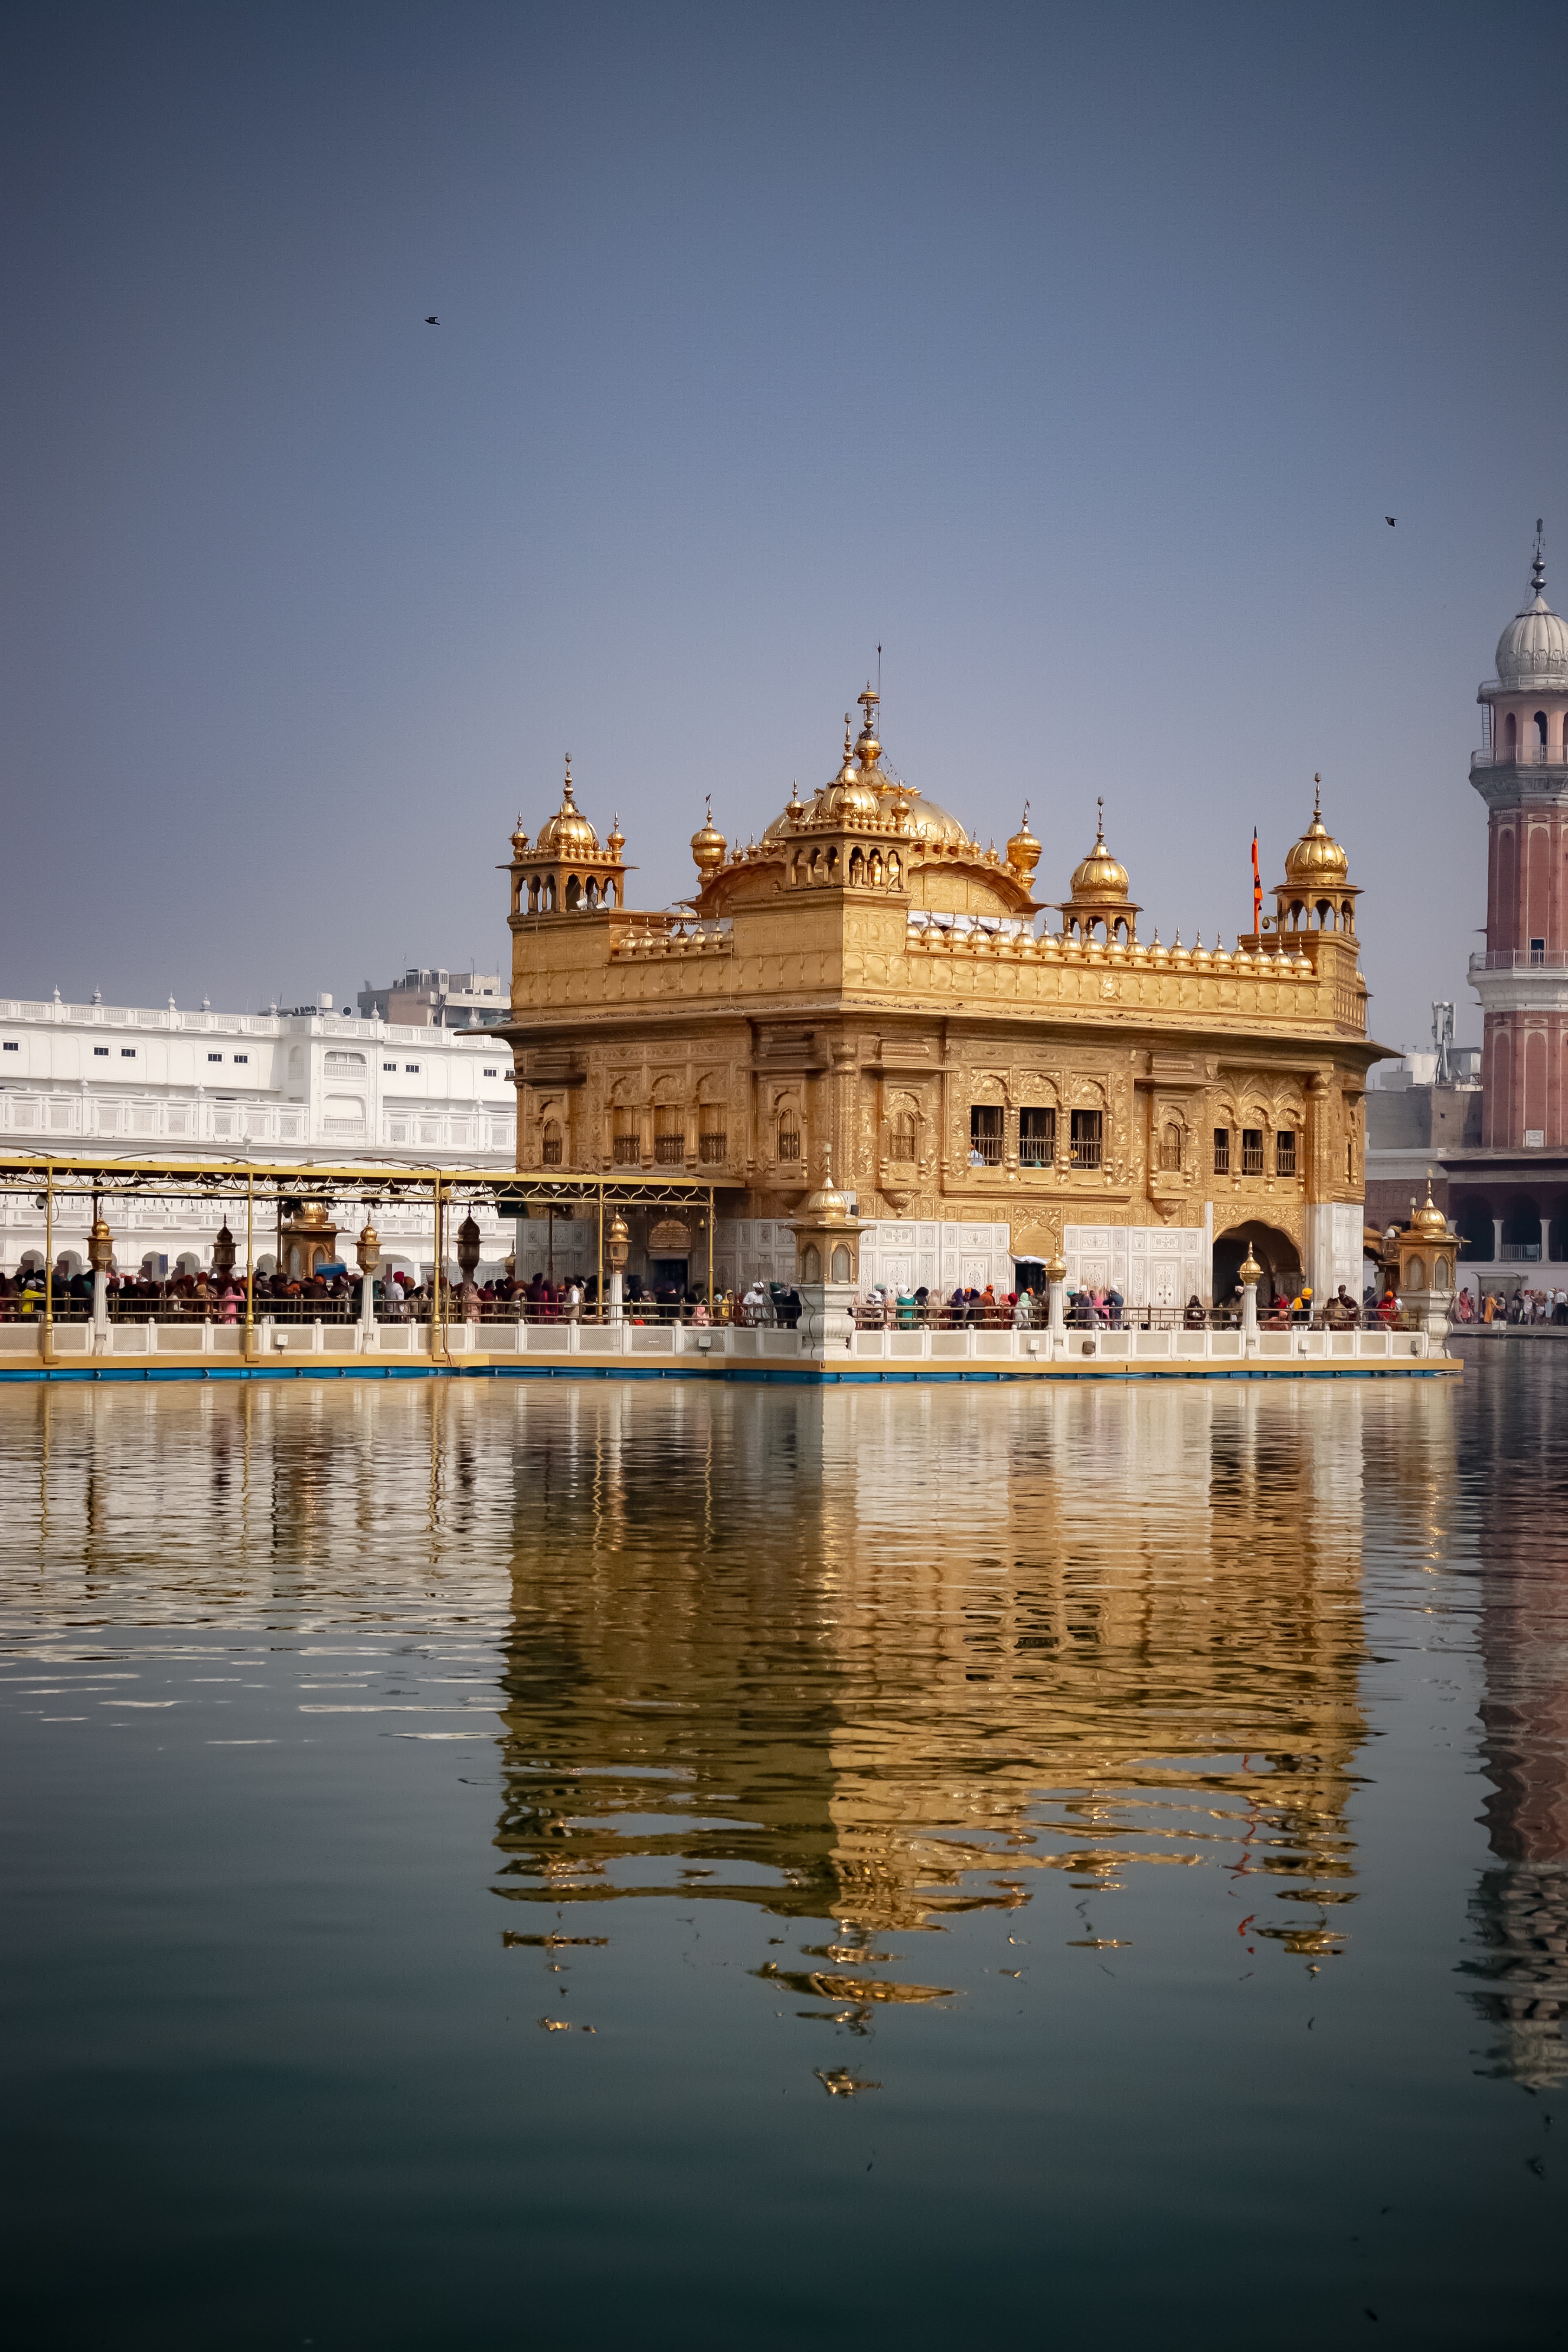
(1075, 354)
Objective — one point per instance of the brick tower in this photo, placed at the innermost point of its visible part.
(1522, 773)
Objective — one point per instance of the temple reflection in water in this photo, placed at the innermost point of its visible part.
(884, 1657)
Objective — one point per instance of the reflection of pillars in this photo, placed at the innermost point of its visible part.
(1496, 1241)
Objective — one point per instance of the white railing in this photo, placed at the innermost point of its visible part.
(1531, 754)
(721, 1345)
(38, 1113)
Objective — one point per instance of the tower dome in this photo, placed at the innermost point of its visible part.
(568, 832)
(1533, 648)
(708, 845)
(847, 797)
(1317, 857)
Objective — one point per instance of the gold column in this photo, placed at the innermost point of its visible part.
(250, 1265)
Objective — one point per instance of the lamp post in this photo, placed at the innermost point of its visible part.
(467, 1259)
(617, 1243)
(1251, 1274)
(368, 1251)
(223, 1261)
(100, 1257)
(1056, 1316)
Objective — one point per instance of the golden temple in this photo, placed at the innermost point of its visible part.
(864, 987)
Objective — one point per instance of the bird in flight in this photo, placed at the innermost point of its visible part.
(432, 322)
(1389, 520)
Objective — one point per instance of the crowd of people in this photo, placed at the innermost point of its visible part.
(1517, 1307)
(398, 1295)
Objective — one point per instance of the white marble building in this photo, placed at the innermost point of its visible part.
(311, 1085)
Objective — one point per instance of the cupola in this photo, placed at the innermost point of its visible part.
(1099, 900)
(566, 872)
(708, 845)
(1317, 893)
(1024, 850)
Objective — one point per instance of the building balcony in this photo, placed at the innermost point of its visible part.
(1520, 960)
(1519, 755)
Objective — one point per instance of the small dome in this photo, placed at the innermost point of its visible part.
(568, 832)
(708, 845)
(1024, 850)
(1533, 648)
(1100, 876)
(848, 796)
(1317, 858)
(518, 840)
(1430, 1219)
(617, 839)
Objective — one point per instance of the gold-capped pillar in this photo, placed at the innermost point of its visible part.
(1425, 1253)
(827, 1267)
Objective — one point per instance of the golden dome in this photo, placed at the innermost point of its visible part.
(708, 844)
(568, 832)
(314, 1212)
(1429, 1219)
(1317, 856)
(1024, 850)
(617, 839)
(1100, 877)
(1249, 1270)
(518, 840)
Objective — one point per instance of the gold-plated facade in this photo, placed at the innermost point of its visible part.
(865, 985)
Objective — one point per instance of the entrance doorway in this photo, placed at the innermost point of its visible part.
(668, 1272)
(1275, 1251)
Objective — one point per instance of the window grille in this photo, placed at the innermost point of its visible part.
(628, 1151)
(1285, 1152)
(553, 1141)
(901, 1138)
(670, 1138)
(1222, 1152)
(1037, 1138)
(1252, 1151)
(1171, 1149)
(1088, 1138)
(986, 1135)
(789, 1137)
(713, 1146)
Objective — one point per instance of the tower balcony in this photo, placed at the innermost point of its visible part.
(1519, 755)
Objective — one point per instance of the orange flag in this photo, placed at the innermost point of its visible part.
(1256, 889)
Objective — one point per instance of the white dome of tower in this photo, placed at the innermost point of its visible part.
(1533, 648)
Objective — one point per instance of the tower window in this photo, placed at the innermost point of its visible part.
(1037, 1138)
(1088, 1138)
(986, 1135)
(1222, 1152)
(1285, 1152)
(1537, 950)
(1252, 1151)
(1541, 729)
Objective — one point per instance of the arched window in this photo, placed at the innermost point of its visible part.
(856, 869)
(875, 869)
(591, 895)
(550, 895)
(552, 1143)
(1541, 729)
(901, 1137)
(669, 1135)
(895, 871)
(1510, 736)
(574, 894)
(841, 1267)
(789, 1137)
(533, 894)
(626, 1140)
(812, 1270)
(1170, 1148)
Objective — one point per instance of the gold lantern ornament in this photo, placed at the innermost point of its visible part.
(223, 1253)
(368, 1250)
(617, 1242)
(100, 1246)
(468, 1247)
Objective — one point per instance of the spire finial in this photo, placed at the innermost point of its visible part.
(1100, 818)
(566, 788)
(1317, 799)
(1538, 567)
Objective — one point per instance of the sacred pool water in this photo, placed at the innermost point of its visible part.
(574, 1863)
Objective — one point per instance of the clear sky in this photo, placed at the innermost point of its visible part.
(1075, 355)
